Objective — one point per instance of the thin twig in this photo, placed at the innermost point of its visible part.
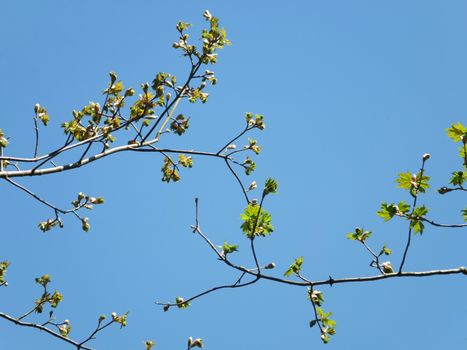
(36, 130)
(414, 204)
(42, 328)
(443, 225)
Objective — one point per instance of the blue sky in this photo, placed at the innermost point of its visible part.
(353, 93)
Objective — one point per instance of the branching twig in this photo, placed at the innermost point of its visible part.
(43, 328)
(414, 204)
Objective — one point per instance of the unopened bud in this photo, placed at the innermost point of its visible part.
(207, 15)
(270, 266)
(426, 156)
(387, 268)
(252, 186)
(37, 108)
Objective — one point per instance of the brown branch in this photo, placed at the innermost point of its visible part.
(234, 285)
(43, 328)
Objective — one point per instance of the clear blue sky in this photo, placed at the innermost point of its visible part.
(353, 92)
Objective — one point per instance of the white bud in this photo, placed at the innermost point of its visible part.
(252, 186)
(207, 15)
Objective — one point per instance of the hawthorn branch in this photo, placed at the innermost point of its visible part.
(257, 273)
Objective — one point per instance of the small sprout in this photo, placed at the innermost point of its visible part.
(47, 225)
(3, 139)
(270, 186)
(129, 92)
(294, 268)
(43, 280)
(85, 224)
(196, 343)
(55, 299)
(3, 269)
(190, 342)
(316, 297)
(149, 344)
(207, 15)
(181, 303)
(113, 77)
(120, 319)
(98, 200)
(385, 250)
(228, 248)
(65, 328)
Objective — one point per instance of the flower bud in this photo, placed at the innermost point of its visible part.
(426, 156)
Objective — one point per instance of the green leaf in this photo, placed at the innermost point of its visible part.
(387, 211)
(385, 250)
(185, 161)
(249, 166)
(295, 267)
(149, 344)
(458, 178)
(256, 223)
(359, 235)
(316, 297)
(229, 248)
(270, 187)
(416, 223)
(43, 280)
(55, 299)
(3, 140)
(411, 182)
(464, 214)
(3, 269)
(456, 131)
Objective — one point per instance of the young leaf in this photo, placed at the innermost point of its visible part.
(256, 223)
(295, 267)
(270, 186)
(456, 131)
